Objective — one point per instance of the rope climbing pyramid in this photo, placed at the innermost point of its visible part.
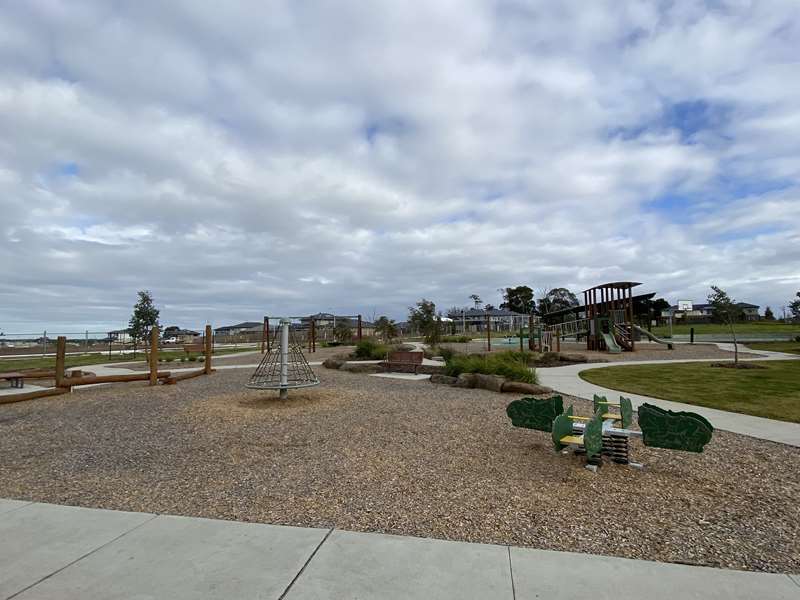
(284, 367)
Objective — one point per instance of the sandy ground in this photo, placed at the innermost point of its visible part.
(370, 454)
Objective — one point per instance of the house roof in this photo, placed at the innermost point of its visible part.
(492, 312)
(120, 331)
(245, 325)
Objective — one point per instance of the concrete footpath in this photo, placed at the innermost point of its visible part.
(61, 552)
(567, 380)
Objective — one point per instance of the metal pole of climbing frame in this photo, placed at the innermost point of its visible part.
(313, 335)
(266, 327)
(284, 393)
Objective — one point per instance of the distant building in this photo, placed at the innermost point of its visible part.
(121, 336)
(240, 328)
(499, 319)
(701, 313)
(183, 336)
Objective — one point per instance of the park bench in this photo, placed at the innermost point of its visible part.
(196, 347)
(404, 359)
(17, 379)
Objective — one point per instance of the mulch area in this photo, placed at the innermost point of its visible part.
(370, 454)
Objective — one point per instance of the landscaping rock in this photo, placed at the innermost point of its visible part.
(519, 387)
(443, 379)
(573, 358)
(493, 383)
(431, 369)
(333, 363)
(361, 368)
(465, 380)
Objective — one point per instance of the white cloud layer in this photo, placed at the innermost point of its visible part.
(287, 157)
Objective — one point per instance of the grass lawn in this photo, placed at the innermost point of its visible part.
(790, 347)
(773, 392)
(755, 327)
(81, 360)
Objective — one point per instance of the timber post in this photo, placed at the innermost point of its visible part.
(359, 328)
(61, 353)
(209, 350)
(264, 334)
(154, 356)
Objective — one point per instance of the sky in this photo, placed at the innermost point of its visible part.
(259, 158)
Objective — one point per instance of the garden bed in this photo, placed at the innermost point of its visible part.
(372, 454)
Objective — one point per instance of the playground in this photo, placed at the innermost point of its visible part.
(373, 454)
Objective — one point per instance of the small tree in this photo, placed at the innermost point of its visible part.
(727, 312)
(143, 319)
(386, 328)
(423, 317)
(794, 307)
(768, 314)
(342, 333)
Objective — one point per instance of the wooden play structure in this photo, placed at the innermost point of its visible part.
(607, 433)
(64, 382)
(605, 321)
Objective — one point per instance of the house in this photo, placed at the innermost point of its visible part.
(121, 336)
(240, 328)
(703, 312)
(474, 319)
(183, 336)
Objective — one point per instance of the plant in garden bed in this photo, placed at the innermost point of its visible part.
(511, 365)
(371, 349)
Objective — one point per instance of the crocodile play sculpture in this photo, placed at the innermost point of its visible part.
(673, 430)
(533, 413)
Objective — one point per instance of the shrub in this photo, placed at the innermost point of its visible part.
(456, 339)
(331, 344)
(511, 365)
(370, 349)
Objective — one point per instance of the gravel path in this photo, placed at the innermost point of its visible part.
(370, 454)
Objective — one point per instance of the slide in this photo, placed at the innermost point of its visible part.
(658, 340)
(611, 343)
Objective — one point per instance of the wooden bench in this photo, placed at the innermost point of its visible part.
(17, 379)
(199, 347)
(402, 358)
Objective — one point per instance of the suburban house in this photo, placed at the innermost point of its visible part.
(121, 336)
(183, 336)
(475, 319)
(240, 328)
(701, 313)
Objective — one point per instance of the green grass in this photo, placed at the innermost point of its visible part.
(511, 365)
(772, 392)
(755, 327)
(82, 360)
(790, 347)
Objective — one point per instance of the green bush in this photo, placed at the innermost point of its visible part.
(455, 339)
(331, 344)
(511, 365)
(370, 349)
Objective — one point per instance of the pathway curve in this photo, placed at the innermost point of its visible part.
(568, 381)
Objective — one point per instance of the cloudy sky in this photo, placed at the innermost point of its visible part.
(272, 157)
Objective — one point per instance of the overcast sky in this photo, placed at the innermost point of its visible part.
(268, 157)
